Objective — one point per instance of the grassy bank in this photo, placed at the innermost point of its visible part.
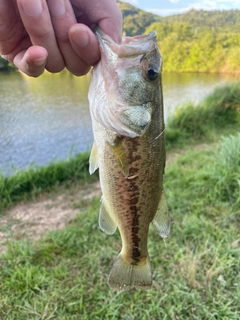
(196, 272)
(25, 184)
(217, 114)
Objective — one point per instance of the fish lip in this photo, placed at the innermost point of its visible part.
(131, 46)
(140, 39)
(125, 40)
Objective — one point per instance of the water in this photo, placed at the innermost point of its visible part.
(43, 119)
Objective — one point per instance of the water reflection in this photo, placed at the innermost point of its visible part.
(179, 88)
(43, 118)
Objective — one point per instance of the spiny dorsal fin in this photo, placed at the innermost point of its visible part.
(106, 222)
(93, 160)
(161, 221)
(120, 156)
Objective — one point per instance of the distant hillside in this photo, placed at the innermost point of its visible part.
(135, 20)
(227, 19)
(196, 41)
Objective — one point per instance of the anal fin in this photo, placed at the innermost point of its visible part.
(106, 222)
(161, 221)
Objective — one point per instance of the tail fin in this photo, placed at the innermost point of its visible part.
(125, 276)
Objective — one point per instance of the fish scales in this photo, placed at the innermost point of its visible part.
(128, 124)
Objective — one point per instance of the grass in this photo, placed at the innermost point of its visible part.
(217, 113)
(25, 184)
(196, 271)
(226, 170)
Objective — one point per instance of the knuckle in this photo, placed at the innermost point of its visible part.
(40, 33)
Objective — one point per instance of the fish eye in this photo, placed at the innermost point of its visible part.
(151, 74)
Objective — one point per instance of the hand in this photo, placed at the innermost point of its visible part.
(54, 34)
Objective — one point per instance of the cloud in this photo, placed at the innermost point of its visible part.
(204, 5)
(133, 2)
(168, 12)
(214, 5)
(174, 1)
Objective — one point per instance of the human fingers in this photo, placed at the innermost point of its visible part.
(32, 61)
(112, 22)
(11, 28)
(37, 22)
(15, 45)
(89, 13)
(85, 44)
(63, 18)
(105, 13)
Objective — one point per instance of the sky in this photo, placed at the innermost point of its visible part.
(168, 7)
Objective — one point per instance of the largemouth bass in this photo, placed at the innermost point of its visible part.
(126, 106)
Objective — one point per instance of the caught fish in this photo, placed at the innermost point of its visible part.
(126, 106)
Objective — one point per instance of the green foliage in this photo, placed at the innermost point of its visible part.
(135, 20)
(219, 110)
(225, 19)
(3, 64)
(23, 184)
(223, 106)
(188, 47)
(199, 41)
(226, 171)
(189, 120)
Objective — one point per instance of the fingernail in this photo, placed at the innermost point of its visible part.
(57, 8)
(80, 36)
(32, 8)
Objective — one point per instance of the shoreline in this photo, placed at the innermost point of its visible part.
(14, 69)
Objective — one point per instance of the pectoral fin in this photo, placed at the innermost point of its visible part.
(93, 160)
(120, 156)
(106, 223)
(161, 221)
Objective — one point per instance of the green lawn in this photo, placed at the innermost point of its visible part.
(196, 271)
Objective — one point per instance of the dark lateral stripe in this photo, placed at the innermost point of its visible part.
(134, 158)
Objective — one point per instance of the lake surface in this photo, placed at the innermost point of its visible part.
(47, 118)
